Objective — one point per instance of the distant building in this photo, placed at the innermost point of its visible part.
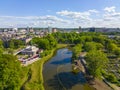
(15, 29)
(111, 36)
(49, 30)
(79, 29)
(54, 30)
(27, 39)
(31, 30)
(22, 31)
(28, 30)
(92, 29)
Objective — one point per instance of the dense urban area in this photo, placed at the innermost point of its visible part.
(23, 52)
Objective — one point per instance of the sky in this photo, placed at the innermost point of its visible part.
(60, 13)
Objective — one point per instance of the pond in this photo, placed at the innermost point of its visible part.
(57, 73)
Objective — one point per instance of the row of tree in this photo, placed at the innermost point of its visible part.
(89, 40)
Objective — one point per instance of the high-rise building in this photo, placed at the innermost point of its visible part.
(28, 30)
(79, 29)
(49, 29)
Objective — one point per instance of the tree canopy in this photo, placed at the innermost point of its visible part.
(15, 44)
(1, 46)
(9, 72)
(92, 46)
(96, 60)
(45, 43)
(76, 51)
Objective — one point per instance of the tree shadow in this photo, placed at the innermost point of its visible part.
(66, 80)
(64, 61)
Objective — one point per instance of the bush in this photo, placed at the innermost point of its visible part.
(111, 78)
(45, 53)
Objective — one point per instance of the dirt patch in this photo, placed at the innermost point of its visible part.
(100, 85)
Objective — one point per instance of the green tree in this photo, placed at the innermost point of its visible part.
(76, 51)
(9, 72)
(111, 47)
(117, 52)
(111, 77)
(1, 46)
(52, 41)
(99, 39)
(15, 44)
(11, 44)
(44, 44)
(96, 61)
(90, 46)
(99, 46)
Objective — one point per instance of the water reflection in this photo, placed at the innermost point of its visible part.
(66, 80)
(57, 73)
(64, 61)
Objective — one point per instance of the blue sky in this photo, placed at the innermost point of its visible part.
(60, 13)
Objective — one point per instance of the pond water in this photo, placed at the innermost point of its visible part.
(57, 73)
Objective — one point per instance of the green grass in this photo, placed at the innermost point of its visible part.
(87, 87)
(36, 80)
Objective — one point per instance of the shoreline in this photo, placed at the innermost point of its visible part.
(52, 54)
(37, 80)
(97, 84)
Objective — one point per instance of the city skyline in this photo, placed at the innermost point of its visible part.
(60, 13)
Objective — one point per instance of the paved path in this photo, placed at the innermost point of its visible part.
(31, 61)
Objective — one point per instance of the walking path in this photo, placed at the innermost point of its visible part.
(31, 61)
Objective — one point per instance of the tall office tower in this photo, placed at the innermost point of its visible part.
(49, 29)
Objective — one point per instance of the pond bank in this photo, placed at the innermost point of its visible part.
(36, 81)
(96, 83)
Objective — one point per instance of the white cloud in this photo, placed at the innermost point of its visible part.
(75, 15)
(42, 21)
(110, 9)
(111, 14)
(109, 17)
(93, 11)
